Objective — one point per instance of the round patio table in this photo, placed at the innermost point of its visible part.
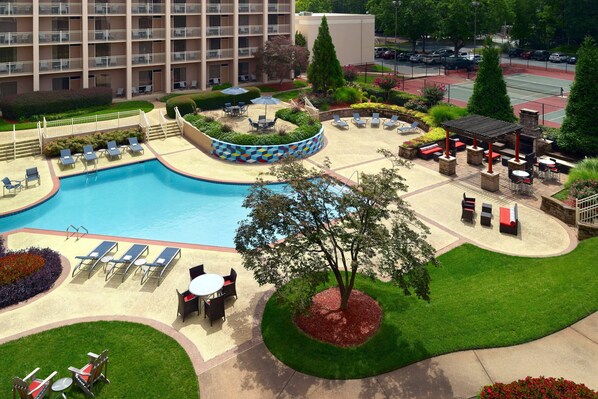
(520, 173)
(206, 284)
(62, 385)
(547, 162)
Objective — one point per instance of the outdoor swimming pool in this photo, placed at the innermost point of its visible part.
(144, 200)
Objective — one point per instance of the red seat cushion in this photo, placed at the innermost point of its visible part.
(431, 150)
(459, 144)
(227, 282)
(189, 297)
(34, 385)
(86, 369)
(505, 217)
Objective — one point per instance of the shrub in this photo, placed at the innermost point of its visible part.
(16, 266)
(215, 99)
(387, 82)
(444, 112)
(432, 136)
(347, 95)
(185, 104)
(222, 86)
(97, 140)
(433, 94)
(298, 83)
(537, 388)
(23, 106)
(350, 73)
(583, 188)
(585, 170)
(401, 98)
(371, 90)
(417, 105)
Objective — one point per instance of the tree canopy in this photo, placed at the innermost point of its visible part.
(331, 227)
(279, 56)
(324, 71)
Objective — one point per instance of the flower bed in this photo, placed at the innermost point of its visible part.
(16, 266)
(538, 388)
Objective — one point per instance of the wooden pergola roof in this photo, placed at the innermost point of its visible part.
(481, 127)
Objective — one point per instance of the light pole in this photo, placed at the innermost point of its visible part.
(396, 4)
(475, 5)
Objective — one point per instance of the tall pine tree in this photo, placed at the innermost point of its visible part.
(325, 70)
(579, 132)
(489, 96)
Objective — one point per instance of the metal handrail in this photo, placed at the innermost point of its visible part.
(179, 120)
(82, 228)
(76, 231)
(163, 124)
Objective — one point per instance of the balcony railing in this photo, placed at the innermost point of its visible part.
(251, 30)
(219, 8)
(219, 31)
(280, 8)
(12, 38)
(107, 8)
(250, 7)
(184, 8)
(59, 65)
(147, 8)
(184, 56)
(16, 8)
(111, 61)
(247, 51)
(59, 8)
(279, 29)
(107, 35)
(219, 54)
(146, 59)
(15, 68)
(185, 32)
(59, 36)
(150, 33)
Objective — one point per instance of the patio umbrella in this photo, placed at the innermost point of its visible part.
(266, 100)
(234, 91)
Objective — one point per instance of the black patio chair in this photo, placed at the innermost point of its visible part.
(214, 308)
(230, 284)
(471, 200)
(196, 271)
(188, 303)
(467, 214)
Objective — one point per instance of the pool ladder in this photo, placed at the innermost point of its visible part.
(76, 231)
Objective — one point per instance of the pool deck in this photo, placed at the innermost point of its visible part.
(233, 350)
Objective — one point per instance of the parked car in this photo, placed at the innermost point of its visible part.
(515, 52)
(432, 59)
(416, 58)
(572, 60)
(541, 55)
(527, 54)
(389, 55)
(378, 51)
(458, 63)
(558, 57)
(444, 52)
(405, 56)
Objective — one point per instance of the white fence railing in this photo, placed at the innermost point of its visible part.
(311, 110)
(163, 124)
(144, 123)
(586, 210)
(89, 124)
(179, 120)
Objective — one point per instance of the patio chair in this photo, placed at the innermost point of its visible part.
(214, 308)
(467, 214)
(89, 261)
(270, 125)
(193, 84)
(469, 199)
(254, 125)
(33, 389)
(124, 263)
(338, 122)
(160, 264)
(120, 92)
(89, 154)
(113, 150)
(188, 303)
(95, 370)
(358, 121)
(243, 108)
(11, 185)
(134, 146)
(375, 120)
(66, 158)
(196, 271)
(230, 284)
(32, 174)
(227, 108)
(408, 129)
(390, 123)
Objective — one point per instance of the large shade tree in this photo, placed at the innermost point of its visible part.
(329, 227)
(324, 71)
(279, 56)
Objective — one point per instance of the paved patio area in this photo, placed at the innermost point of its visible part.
(233, 350)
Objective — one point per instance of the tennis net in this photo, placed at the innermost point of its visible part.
(533, 87)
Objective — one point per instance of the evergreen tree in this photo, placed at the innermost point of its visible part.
(579, 132)
(325, 70)
(489, 96)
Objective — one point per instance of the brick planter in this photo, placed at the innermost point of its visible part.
(407, 153)
(558, 209)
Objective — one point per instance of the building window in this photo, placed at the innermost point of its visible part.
(8, 54)
(8, 88)
(60, 52)
(145, 78)
(103, 80)
(60, 83)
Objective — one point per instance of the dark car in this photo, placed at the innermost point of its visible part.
(515, 52)
(527, 54)
(458, 63)
(405, 56)
(572, 60)
(389, 55)
(541, 55)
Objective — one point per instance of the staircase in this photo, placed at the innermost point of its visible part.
(23, 149)
(155, 132)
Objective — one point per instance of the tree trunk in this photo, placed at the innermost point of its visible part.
(345, 299)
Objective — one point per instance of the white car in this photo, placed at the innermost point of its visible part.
(558, 57)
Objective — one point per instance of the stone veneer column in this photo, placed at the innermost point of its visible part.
(447, 166)
(490, 181)
(475, 156)
(514, 165)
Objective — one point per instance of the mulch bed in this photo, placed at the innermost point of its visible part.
(284, 86)
(354, 326)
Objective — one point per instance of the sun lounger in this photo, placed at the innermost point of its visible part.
(89, 262)
(126, 261)
(113, 150)
(66, 158)
(89, 154)
(390, 123)
(358, 121)
(375, 120)
(160, 264)
(338, 122)
(134, 145)
(408, 129)
(11, 185)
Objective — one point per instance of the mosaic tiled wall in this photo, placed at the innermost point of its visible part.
(266, 153)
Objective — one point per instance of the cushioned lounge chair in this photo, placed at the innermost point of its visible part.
(32, 174)
(375, 120)
(357, 120)
(408, 129)
(95, 370)
(338, 122)
(11, 185)
(66, 159)
(112, 149)
(390, 123)
(134, 145)
(89, 154)
(89, 261)
(160, 264)
(31, 387)
(124, 263)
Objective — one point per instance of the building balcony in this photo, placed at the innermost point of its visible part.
(59, 8)
(184, 8)
(182, 33)
(59, 36)
(148, 59)
(16, 8)
(147, 34)
(107, 8)
(16, 68)
(108, 35)
(147, 8)
(248, 8)
(112, 61)
(185, 56)
(251, 30)
(60, 65)
(247, 51)
(219, 8)
(279, 8)
(219, 31)
(279, 29)
(14, 38)
(219, 54)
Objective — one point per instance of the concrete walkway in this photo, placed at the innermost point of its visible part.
(230, 357)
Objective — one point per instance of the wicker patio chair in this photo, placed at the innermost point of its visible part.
(214, 308)
(196, 271)
(230, 284)
(188, 303)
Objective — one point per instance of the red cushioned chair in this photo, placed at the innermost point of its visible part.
(188, 303)
(95, 370)
(467, 214)
(230, 284)
(36, 389)
(470, 201)
(214, 308)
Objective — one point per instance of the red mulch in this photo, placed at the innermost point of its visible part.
(351, 327)
(281, 86)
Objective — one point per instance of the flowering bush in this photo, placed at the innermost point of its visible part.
(433, 94)
(583, 188)
(538, 388)
(350, 73)
(417, 104)
(387, 82)
(16, 266)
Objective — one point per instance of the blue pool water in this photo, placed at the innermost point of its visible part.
(144, 200)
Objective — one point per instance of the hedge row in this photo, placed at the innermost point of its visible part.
(51, 102)
(97, 140)
(396, 97)
(208, 100)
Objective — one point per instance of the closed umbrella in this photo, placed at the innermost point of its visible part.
(234, 91)
(266, 100)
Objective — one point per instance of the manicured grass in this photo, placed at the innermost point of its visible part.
(143, 362)
(480, 299)
(380, 68)
(562, 195)
(115, 107)
(361, 78)
(288, 95)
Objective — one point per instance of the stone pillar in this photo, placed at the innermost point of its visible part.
(490, 181)
(447, 166)
(516, 165)
(475, 155)
(529, 120)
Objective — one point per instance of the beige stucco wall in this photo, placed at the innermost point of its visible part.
(352, 35)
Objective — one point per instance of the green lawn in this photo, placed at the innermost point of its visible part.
(562, 195)
(361, 78)
(143, 362)
(380, 68)
(480, 299)
(288, 95)
(115, 107)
